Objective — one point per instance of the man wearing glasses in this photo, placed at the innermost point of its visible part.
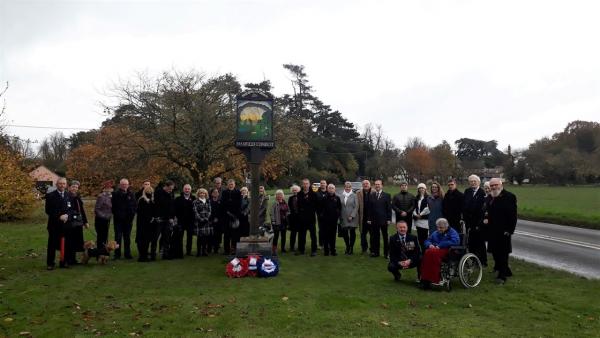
(501, 220)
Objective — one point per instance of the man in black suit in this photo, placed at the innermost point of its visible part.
(473, 217)
(164, 214)
(452, 205)
(184, 211)
(321, 195)
(124, 206)
(57, 210)
(502, 221)
(404, 205)
(231, 202)
(405, 252)
(379, 219)
(307, 208)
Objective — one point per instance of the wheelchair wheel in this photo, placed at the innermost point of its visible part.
(470, 271)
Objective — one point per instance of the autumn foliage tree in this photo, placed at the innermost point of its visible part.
(116, 152)
(16, 187)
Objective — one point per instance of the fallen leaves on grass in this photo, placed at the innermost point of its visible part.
(385, 306)
(25, 334)
(284, 298)
(8, 319)
(412, 303)
(384, 323)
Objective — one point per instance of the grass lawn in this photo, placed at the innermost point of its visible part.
(320, 296)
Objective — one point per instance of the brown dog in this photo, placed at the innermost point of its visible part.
(102, 256)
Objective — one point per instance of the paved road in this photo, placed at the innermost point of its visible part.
(562, 247)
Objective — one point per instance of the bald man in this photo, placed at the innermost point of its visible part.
(501, 222)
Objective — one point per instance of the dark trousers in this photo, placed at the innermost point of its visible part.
(329, 237)
(101, 226)
(123, 236)
(230, 239)
(279, 231)
(310, 227)
(396, 268)
(375, 243)
(166, 234)
(293, 228)
(477, 245)
(501, 248)
(177, 242)
(321, 232)
(189, 240)
(349, 238)
(364, 243)
(422, 234)
(54, 238)
(217, 238)
(204, 244)
(148, 238)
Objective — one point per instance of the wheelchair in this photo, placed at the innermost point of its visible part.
(462, 264)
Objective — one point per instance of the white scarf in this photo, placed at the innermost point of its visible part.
(203, 200)
(346, 194)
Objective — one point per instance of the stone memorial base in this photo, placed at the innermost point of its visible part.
(259, 245)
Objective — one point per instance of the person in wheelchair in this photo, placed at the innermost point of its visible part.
(437, 247)
(405, 252)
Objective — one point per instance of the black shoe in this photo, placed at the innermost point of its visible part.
(326, 253)
(116, 258)
(63, 265)
(313, 254)
(283, 251)
(142, 259)
(334, 253)
(374, 255)
(50, 267)
(397, 277)
(386, 257)
(500, 281)
(128, 257)
(298, 253)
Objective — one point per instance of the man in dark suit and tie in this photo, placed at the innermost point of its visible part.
(57, 207)
(473, 212)
(405, 252)
(379, 218)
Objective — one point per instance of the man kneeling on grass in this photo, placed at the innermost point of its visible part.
(405, 252)
(438, 244)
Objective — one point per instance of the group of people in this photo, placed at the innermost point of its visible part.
(218, 218)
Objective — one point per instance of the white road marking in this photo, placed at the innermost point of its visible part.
(559, 239)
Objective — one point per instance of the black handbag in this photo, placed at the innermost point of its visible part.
(75, 219)
(340, 231)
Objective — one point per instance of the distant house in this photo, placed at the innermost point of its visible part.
(487, 174)
(44, 178)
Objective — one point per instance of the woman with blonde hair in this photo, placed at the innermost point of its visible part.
(146, 230)
(203, 228)
(279, 216)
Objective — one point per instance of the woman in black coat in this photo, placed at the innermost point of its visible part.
(74, 238)
(332, 209)
(244, 230)
(216, 219)
(146, 232)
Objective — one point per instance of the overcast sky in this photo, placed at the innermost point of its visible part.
(513, 71)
